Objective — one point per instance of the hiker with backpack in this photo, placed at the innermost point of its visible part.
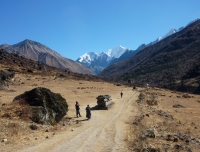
(88, 112)
(77, 106)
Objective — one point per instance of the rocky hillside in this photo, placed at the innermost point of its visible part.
(38, 52)
(172, 63)
(23, 65)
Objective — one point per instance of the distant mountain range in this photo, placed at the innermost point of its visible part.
(172, 62)
(99, 61)
(39, 52)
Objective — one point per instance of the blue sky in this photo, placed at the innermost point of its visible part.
(74, 27)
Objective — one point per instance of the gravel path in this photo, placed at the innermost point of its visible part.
(105, 132)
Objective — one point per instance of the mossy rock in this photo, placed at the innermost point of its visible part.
(149, 133)
(44, 106)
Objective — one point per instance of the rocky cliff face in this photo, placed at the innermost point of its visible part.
(38, 52)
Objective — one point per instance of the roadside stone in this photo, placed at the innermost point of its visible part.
(152, 102)
(188, 149)
(186, 96)
(178, 106)
(149, 133)
(4, 140)
(30, 71)
(142, 137)
(150, 150)
(169, 137)
(175, 139)
(135, 123)
(162, 113)
(141, 96)
(187, 140)
(178, 147)
(167, 146)
(33, 127)
(147, 115)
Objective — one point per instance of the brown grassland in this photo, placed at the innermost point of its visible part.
(144, 119)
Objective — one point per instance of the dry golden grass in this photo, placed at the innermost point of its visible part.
(17, 129)
(168, 131)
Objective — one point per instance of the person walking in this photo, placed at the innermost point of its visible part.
(77, 106)
(88, 112)
(121, 94)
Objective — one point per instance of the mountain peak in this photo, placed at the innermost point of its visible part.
(98, 61)
(39, 52)
(116, 52)
(122, 47)
(27, 41)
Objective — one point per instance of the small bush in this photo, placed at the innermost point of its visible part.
(33, 127)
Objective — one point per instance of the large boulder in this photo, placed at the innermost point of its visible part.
(5, 76)
(104, 102)
(43, 106)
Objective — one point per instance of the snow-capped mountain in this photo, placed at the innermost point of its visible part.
(116, 52)
(98, 61)
(128, 54)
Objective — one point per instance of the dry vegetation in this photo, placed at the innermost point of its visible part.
(154, 124)
(20, 131)
(162, 127)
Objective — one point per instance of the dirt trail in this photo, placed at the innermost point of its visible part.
(105, 132)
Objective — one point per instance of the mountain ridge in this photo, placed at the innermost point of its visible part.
(163, 64)
(128, 53)
(36, 51)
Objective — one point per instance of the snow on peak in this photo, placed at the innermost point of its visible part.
(88, 57)
(172, 31)
(159, 38)
(116, 52)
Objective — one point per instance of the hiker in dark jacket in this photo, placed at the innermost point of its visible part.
(77, 106)
(88, 112)
(121, 94)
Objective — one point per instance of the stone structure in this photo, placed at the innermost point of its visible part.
(104, 102)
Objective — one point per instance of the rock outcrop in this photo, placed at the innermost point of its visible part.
(42, 106)
(5, 76)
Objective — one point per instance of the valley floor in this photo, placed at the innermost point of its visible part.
(144, 118)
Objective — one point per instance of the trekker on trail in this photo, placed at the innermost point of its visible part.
(77, 106)
(121, 94)
(88, 112)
